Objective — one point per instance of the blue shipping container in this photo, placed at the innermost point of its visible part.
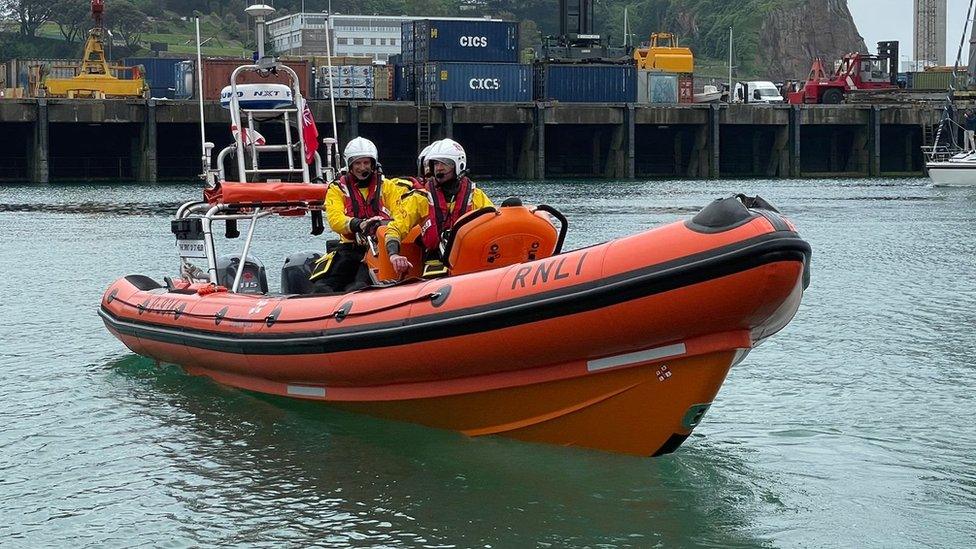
(475, 82)
(475, 41)
(586, 83)
(160, 73)
(403, 83)
(406, 42)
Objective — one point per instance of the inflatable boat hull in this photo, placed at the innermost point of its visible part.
(619, 347)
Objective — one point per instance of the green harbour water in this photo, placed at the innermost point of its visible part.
(853, 427)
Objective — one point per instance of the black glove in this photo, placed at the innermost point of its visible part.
(368, 226)
(355, 225)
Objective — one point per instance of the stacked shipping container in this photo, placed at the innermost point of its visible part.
(476, 61)
(357, 82)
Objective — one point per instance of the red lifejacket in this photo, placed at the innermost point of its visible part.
(439, 217)
(364, 207)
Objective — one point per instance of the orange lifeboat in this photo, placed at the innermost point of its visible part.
(621, 346)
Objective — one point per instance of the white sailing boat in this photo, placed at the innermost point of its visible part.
(958, 170)
(951, 165)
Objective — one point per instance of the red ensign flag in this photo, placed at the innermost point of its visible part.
(310, 133)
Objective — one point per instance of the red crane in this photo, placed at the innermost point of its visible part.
(857, 71)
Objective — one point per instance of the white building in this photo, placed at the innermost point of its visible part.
(376, 36)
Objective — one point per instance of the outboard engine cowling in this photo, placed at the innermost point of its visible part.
(295, 272)
(254, 279)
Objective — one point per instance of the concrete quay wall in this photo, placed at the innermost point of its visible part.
(44, 140)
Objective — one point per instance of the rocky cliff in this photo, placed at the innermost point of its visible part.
(791, 36)
(776, 39)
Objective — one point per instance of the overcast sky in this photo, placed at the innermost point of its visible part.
(892, 20)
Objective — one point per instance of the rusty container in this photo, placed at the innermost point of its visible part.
(217, 71)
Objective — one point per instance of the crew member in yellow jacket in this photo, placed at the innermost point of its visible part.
(447, 195)
(355, 206)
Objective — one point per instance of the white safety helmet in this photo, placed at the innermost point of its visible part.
(360, 147)
(448, 151)
(421, 159)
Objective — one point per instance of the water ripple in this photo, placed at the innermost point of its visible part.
(850, 428)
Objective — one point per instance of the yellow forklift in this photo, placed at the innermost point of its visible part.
(95, 78)
(662, 53)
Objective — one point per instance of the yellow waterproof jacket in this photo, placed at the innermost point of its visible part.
(335, 204)
(415, 207)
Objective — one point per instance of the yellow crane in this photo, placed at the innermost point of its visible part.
(662, 53)
(95, 77)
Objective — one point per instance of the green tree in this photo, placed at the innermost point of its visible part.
(73, 18)
(29, 14)
(128, 21)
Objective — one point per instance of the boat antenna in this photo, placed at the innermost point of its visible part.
(328, 62)
(207, 174)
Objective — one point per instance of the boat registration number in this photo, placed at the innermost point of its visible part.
(192, 249)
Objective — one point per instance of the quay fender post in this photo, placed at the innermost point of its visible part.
(698, 163)
(714, 131)
(631, 121)
(779, 159)
(526, 157)
(540, 141)
(40, 170)
(874, 141)
(860, 157)
(148, 156)
(794, 141)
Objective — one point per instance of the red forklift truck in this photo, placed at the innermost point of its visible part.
(856, 71)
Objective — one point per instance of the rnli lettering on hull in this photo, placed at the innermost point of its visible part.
(546, 271)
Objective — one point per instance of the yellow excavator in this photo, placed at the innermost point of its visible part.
(95, 77)
(662, 53)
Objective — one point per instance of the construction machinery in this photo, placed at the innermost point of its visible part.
(576, 42)
(855, 72)
(662, 53)
(95, 77)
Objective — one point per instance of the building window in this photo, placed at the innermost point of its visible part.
(357, 41)
(342, 41)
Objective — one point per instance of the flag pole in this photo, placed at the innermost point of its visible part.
(205, 147)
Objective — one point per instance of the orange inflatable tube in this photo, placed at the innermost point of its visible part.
(620, 346)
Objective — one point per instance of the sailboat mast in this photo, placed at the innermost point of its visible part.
(730, 64)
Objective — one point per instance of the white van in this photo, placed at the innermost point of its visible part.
(759, 91)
